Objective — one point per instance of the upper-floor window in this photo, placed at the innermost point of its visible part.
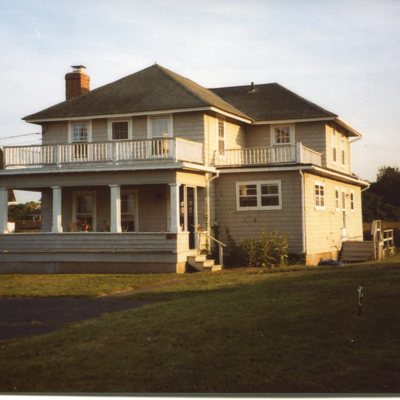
(282, 135)
(334, 144)
(79, 132)
(343, 152)
(265, 195)
(221, 136)
(319, 195)
(160, 126)
(120, 129)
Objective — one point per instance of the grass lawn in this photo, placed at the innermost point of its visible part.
(240, 331)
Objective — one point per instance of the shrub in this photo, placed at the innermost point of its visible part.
(268, 250)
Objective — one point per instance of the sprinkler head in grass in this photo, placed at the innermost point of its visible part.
(360, 292)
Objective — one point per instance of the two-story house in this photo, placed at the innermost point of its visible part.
(130, 174)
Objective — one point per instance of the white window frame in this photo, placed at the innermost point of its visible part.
(136, 206)
(259, 196)
(352, 201)
(291, 135)
(337, 198)
(75, 195)
(150, 119)
(70, 130)
(342, 152)
(221, 120)
(334, 147)
(319, 197)
(109, 129)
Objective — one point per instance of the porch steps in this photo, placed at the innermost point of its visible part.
(200, 262)
(357, 251)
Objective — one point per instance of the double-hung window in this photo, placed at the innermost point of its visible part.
(159, 129)
(221, 136)
(264, 195)
(343, 152)
(283, 135)
(319, 195)
(352, 201)
(119, 130)
(80, 135)
(334, 149)
(337, 199)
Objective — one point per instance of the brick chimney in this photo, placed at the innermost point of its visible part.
(76, 82)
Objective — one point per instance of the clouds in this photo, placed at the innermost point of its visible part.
(343, 55)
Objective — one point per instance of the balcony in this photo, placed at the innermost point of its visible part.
(79, 155)
(291, 154)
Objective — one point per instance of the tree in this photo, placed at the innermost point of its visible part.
(387, 185)
(18, 212)
(382, 200)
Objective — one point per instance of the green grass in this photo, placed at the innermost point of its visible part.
(77, 285)
(242, 331)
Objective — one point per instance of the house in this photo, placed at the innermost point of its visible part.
(133, 175)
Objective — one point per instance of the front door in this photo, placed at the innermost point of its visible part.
(84, 211)
(188, 212)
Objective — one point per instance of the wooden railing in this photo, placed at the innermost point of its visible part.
(176, 149)
(210, 238)
(268, 155)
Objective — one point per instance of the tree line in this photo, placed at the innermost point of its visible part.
(382, 199)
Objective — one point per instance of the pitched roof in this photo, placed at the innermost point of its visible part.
(152, 89)
(271, 102)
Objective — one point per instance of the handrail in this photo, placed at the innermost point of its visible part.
(220, 246)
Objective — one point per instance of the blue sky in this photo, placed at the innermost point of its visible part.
(343, 55)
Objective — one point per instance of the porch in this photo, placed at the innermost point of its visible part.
(90, 252)
(139, 221)
(121, 152)
(282, 154)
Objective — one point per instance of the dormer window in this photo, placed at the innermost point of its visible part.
(282, 135)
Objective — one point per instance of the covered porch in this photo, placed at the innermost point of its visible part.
(137, 222)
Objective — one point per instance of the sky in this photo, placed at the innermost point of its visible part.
(342, 55)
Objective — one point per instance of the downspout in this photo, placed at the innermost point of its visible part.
(208, 222)
(303, 211)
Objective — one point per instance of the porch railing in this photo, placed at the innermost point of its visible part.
(269, 155)
(176, 149)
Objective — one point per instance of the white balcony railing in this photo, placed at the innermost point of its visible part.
(78, 154)
(268, 155)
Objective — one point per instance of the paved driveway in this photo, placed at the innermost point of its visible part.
(34, 316)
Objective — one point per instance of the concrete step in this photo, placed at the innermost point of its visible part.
(202, 263)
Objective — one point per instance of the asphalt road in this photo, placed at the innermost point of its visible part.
(35, 316)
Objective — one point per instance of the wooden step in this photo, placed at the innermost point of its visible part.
(357, 251)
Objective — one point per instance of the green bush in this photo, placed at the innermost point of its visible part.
(268, 250)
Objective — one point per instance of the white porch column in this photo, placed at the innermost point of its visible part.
(3, 210)
(57, 215)
(115, 206)
(174, 207)
(195, 219)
